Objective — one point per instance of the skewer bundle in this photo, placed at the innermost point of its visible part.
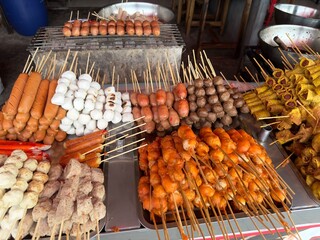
(110, 26)
(22, 181)
(217, 170)
(71, 202)
(291, 98)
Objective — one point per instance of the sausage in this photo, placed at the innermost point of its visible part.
(213, 99)
(103, 30)
(163, 112)
(52, 132)
(137, 23)
(154, 23)
(143, 100)
(84, 31)
(193, 106)
(202, 112)
(77, 23)
(60, 136)
(207, 82)
(48, 140)
(29, 92)
(111, 30)
(40, 100)
(15, 95)
(153, 99)
(194, 117)
(120, 23)
(50, 110)
(61, 113)
(147, 113)
(146, 23)
(133, 98)
(161, 97)
(7, 124)
(210, 90)
(147, 31)
(217, 80)
(120, 30)
(55, 124)
(165, 124)
(66, 31)
(129, 23)
(94, 30)
(180, 91)
(130, 30)
(217, 107)
(39, 135)
(192, 98)
(156, 31)
(155, 114)
(75, 31)
(159, 127)
(136, 112)
(182, 107)
(200, 92)
(150, 126)
(68, 24)
(191, 89)
(111, 23)
(22, 117)
(138, 30)
(201, 102)
(102, 22)
(18, 126)
(174, 119)
(170, 99)
(224, 96)
(198, 83)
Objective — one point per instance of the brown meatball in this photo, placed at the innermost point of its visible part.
(188, 120)
(201, 101)
(202, 112)
(238, 103)
(210, 91)
(194, 117)
(208, 107)
(191, 89)
(236, 95)
(232, 112)
(200, 92)
(220, 114)
(244, 109)
(207, 82)
(193, 106)
(192, 98)
(221, 88)
(206, 124)
(197, 125)
(228, 105)
(198, 83)
(224, 96)
(226, 120)
(217, 107)
(212, 117)
(213, 99)
(218, 80)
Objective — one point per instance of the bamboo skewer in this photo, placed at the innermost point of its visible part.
(124, 146)
(284, 162)
(118, 155)
(269, 124)
(87, 65)
(125, 124)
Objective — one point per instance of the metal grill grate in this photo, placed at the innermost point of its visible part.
(51, 38)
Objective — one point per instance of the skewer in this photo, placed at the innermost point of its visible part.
(104, 145)
(267, 62)
(285, 59)
(87, 65)
(261, 68)
(251, 75)
(165, 230)
(155, 225)
(60, 230)
(118, 155)
(70, 18)
(306, 110)
(180, 226)
(269, 124)
(294, 46)
(170, 70)
(92, 67)
(52, 234)
(284, 162)
(65, 63)
(273, 117)
(177, 71)
(185, 222)
(127, 145)
(225, 79)
(293, 59)
(111, 136)
(117, 83)
(31, 61)
(26, 64)
(150, 75)
(36, 230)
(73, 60)
(210, 64)
(125, 124)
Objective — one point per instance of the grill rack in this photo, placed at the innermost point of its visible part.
(52, 38)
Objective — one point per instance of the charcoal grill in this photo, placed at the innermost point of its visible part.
(124, 52)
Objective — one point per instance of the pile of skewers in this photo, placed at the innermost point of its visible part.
(72, 199)
(110, 26)
(289, 99)
(215, 172)
(28, 114)
(21, 182)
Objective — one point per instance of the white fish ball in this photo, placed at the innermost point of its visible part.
(117, 117)
(95, 85)
(83, 84)
(73, 114)
(77, 124)
(101, 92)
(93, 91)
(101, 98)
(127, 117)
(73, 87)
(89, 105)
(125, 96)
(67, 105)
(85, 77)
(109, 90)
(71, 131)
(108, 115)
(65, 81)
(57, 99)
(118, 108)
(64, 127)
(91, 97)
(70, 93)
(78, 104)
(102, 124)
(81, 93)
(80, 131)
(84, 118)
(98, 105)
(61, 88)
(92, 125)
(66, 121)
(69, 75)
(96, 114)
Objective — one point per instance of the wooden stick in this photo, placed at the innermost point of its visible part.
(73, 60)
(170, 70)
(165, 230)
(210, 64)
(60, 230)
(155, 225)
(92, 67)
(269, 124)
(285, 59)
(294, 46)
(124, 146)
(33, 56)
(70, 18)
(26, 64)
(127, 123)
(261, 68)
(267, 62)
(306, 110)
(87, 65)
(251, 75)
(225, 79)
(118, 155)
(273, 117)
(142, 124)
(77, 14)
(65, 63)
(137, 133)
(36, 230)
(52, 235)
